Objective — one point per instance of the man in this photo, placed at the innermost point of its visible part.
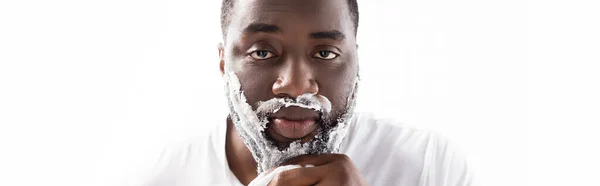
(291, 75)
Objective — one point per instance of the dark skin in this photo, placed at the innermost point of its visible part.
(285, 48)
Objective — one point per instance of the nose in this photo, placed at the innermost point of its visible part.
(295, 79)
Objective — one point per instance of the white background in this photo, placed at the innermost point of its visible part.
(514, 83)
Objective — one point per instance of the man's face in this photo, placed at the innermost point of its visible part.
(289, 48)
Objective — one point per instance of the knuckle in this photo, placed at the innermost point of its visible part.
(282, 177)
(275, 181)
(344, 177)
(344, 157)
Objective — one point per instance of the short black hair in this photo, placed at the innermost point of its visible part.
(227, 11)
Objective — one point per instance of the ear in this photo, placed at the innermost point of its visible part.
(221, 58)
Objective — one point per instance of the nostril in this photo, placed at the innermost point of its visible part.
(295, 86)
(283, 95)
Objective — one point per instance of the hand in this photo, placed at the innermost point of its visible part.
(329, 169)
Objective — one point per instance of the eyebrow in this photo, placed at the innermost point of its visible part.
(333, 34)
(261, 27)
(269, 28)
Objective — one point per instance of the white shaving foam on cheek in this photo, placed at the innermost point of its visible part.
(240, 104)
(338, 133)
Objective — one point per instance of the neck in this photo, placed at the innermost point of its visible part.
(239, 157)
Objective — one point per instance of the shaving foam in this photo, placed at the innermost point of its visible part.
(251, 125)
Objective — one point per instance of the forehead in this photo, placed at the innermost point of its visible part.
(293, 15)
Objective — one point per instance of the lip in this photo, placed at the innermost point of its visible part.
(294, 129)
(293, 123)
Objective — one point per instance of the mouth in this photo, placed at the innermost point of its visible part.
(293, 123)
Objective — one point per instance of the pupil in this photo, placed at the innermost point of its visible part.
(262, 54)
(324, 53)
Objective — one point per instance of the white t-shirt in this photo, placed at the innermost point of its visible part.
(385, 153)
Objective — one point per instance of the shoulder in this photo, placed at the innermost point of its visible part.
(384, 134)
(405, 154)
(183, 160)
(168, 161)
(373, 137)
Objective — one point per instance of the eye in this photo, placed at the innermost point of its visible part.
(262, 54)
(326, 55)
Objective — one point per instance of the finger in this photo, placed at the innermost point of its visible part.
(315, 159)
(266, 177)
(299, 176)
(326, 183)
(270, 170)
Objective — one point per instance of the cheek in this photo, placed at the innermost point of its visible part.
(256, 84)
(337, 85)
